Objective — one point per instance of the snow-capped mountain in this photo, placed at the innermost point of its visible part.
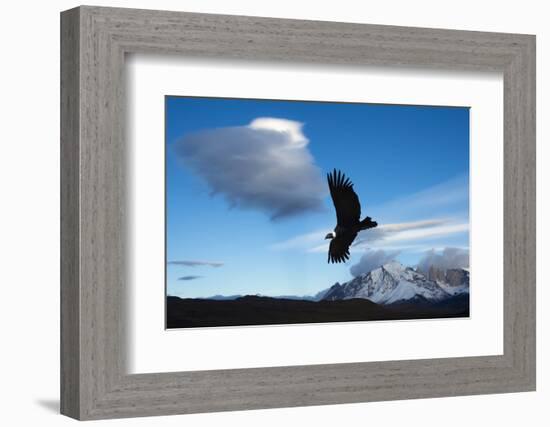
(394, 283)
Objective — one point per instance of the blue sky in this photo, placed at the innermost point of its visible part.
(247, 202)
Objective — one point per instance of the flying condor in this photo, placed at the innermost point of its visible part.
(348, 213)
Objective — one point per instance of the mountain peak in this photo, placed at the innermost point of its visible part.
(389, 284)
(394, 262)
(394, 267)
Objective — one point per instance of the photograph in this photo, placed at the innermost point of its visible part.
(289, 211)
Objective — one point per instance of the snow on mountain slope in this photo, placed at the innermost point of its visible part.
(389, 284)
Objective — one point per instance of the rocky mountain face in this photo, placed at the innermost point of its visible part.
(394, 283)
(457, 277)
(454, 280)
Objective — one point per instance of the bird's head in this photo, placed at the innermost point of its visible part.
(330, 236)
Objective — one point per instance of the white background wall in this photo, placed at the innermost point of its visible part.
(29, 214)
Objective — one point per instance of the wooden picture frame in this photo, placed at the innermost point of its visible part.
(94, 41)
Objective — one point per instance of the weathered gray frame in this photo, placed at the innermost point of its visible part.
(94, 41)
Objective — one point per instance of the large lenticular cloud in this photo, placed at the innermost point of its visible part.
(265, 166)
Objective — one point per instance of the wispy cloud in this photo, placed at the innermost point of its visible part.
(386, 231)
(196, 263)
(189, 277)
(396, 236)
(418, 230)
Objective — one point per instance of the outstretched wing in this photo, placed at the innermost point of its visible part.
(346, 202)
(338, 250)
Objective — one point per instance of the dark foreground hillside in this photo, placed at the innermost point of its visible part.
(255, 310)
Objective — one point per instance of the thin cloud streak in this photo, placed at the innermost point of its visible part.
(196, 263)
(307, 239)
(411, 231)
(443, 230)
(389, 236)
(388, 229)
(186, 278)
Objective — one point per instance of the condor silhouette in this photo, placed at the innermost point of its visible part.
(348, 213)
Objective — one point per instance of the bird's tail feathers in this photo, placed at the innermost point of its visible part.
(368, 223)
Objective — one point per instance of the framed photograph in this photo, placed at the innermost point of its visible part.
(276, 207)
(262, 213)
